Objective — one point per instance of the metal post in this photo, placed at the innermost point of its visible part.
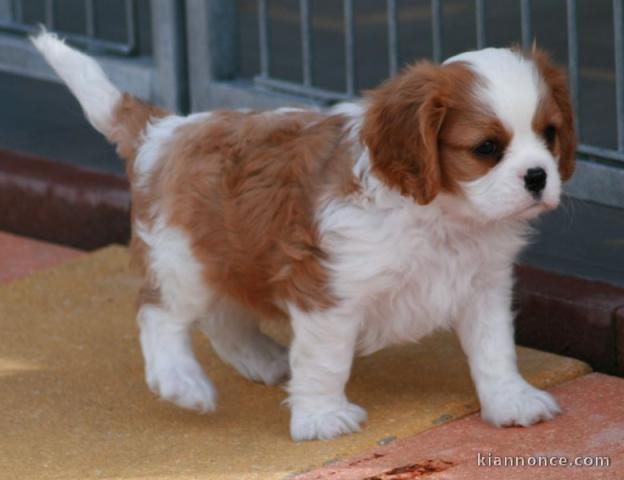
(263, 31)
(480, 14)
(436, 24)
(131, 25)
(618, 26)
(6, 10)
(49, 14)
(306, 42)
(169, 42)
(525, 23)
(349, 26)
(90, 27)
(393, 37)
(17, 11)
(212, 42)
(573, 62)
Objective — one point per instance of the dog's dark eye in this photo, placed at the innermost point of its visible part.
(488, 148)
(550, 132)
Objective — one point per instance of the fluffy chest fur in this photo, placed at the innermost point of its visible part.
(409, 270)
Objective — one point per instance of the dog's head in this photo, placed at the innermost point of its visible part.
(493, 128)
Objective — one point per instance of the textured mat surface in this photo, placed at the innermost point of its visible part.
(74, 404)
(21, 256)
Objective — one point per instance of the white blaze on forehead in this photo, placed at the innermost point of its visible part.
(511, 85)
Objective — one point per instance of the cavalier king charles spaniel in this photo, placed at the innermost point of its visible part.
(368, 224)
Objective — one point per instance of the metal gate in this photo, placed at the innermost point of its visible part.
(152, 67)
(227, 53)
(217, 79)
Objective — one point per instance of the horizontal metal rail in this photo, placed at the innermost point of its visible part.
(302, 90)
(594, 152)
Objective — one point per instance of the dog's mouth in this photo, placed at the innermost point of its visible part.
(535, 208)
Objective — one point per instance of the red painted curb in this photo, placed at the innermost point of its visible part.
(619, 332)
(62, 203)
(570, 316)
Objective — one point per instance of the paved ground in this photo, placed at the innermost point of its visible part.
(76, 405)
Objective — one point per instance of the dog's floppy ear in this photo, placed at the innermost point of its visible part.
(401, 127)
(556, 80)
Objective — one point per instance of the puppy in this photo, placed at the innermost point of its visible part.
(373, 223)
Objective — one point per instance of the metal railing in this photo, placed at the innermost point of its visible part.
(592, 153)
(196, 49)
(14, 22)
(154, 69)
(307, 89)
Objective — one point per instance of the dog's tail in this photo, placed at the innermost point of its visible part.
(120, 117)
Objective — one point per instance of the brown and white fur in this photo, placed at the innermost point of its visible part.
(370, 224)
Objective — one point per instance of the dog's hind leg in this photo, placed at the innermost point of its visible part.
(171, 369)
(167, 317)
(235, 336)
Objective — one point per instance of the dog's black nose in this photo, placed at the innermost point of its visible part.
(535, 180)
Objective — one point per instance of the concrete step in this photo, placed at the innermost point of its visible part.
(76, 405)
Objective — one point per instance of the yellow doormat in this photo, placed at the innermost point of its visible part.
(73, 403)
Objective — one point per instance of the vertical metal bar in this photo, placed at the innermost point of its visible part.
(573, 59)
(90, 18)
(480, 20)
(131, 24)
(306, 44)
(525, 23)
(212, 44)
(349, 26)
(263, 31)
(618, 26)
(170, 55)
(436, 24)
(393, 37)
(49, 14)
(18, 11)
(6, 10)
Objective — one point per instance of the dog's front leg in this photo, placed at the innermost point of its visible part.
(321, 355)
(486, 335)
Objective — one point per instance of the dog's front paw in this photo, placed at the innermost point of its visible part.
(326, 421)
(517, 404)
